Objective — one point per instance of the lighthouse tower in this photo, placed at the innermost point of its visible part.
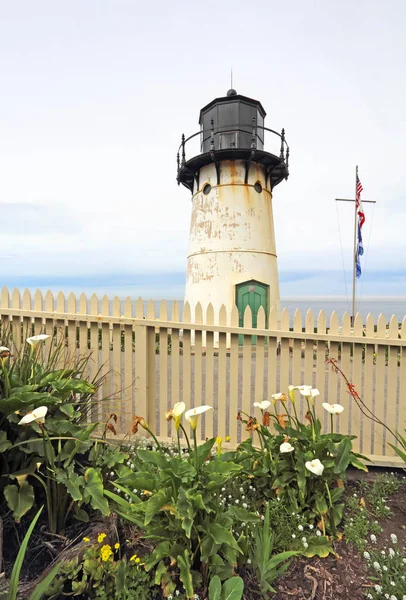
(232, 255)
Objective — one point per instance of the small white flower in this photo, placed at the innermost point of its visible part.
(304, 539)
(36, 339)
(315, 466)
(245, 505)
(37, 415)
(384, 568)
(286, 447)
(263, 405)
(391, 552)
(300, 527)
(318, 532)
(305, 545)
(378, 588)
(248, 561)
(311, 526)
(376, 566)
(393, 538)
(367, 556)
(293, 535)
(333, 409)
(393, 597)
(373, 538)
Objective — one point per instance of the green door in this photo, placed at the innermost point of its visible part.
(253, 294)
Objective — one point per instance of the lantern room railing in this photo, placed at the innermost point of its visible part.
(215, 132)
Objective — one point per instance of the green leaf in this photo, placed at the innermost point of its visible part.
(243, 515)
(154, 458)
(42, 587)
(200, 454)
(319, 546)
(343, 456)
(4, 443)
(67, 409)
(233, 589)
(336, 494)
(19, 499)
(25, 400)
(79, 386)
(161, 551)
(94, 489)
(215, 588)
(398, 451)
(221, 535)
(185, 574)
(15, 574)
(321, 504)
(154, 504)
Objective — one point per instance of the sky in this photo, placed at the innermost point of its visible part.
(95, 96)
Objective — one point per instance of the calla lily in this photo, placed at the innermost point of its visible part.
(37, 415)
(263, 405)
(333, 409)
(307, 390)
(315, 466)
(300, 388)
(286, 447)
(4, 349)
(36, 339)
(176, 413)
(281, 397)
(193, 414)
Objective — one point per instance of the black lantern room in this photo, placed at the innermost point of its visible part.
(232, 128)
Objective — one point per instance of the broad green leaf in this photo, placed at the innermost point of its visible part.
(185, 574)
(160, 570)
(398, 451)
(319, 546)
(19, 499)
(215, 588)
(274, 561)
(161, 551)
(4, 442)
(154, 504)
(79, 386)
(233, 589)
(337, 513)
(67, 409)
(343, 456)
(25, 400)
(152, 457)
(221, 535)
(321, 504)
(243, 515)
(201, 453)
(336, 494)
(94, 489)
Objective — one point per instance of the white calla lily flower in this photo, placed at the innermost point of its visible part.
(4, 349)
(176, 413)
(37, 415)
(315, 466)
(333, 409)
(281, 397)
(286, 447)
(263, 405)
(309, 391)
(192, 415)
(36, 339)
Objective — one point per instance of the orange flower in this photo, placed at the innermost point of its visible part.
(252, 424)
(239, 417)
(266, 419)
(111, 428)
(282, 420)
(308, 416)
(137, 421)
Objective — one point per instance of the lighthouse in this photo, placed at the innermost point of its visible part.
(232, 254)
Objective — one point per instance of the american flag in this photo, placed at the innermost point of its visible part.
(358, 202)
(361, 221)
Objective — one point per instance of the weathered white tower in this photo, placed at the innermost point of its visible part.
(232, 255)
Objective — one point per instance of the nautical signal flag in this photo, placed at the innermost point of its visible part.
(361, 221)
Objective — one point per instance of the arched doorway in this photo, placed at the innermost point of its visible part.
(253, 294)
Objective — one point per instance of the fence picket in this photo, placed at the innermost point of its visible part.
(273, 350)
(128, 391)
(164, 403)
(222, 405)
(355, 424)
(392, 408)
(236, 433)
(344, 422)
(295, 348)
(15, 321)
(210, 416)
(117, 405)
(105, 361)
(175, 351)
(49, 325)
(186, 358)
(380, 384)
(402, 381)
(197, 360)
(322, 370)
(246, 403)
(285, 355)
(260, 358)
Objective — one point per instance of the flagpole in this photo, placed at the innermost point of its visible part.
(354, 265)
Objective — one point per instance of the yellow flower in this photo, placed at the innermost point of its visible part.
(117, 546)
(228, 438)
(133, 558)
(106, 552)
(101, 537)
(86, 539)
(137, 560)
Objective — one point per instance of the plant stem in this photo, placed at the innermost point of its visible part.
(179, 450)
(332, 423)
(329, 495)
(186, 437)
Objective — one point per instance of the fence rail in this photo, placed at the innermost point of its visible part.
(154, 361)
